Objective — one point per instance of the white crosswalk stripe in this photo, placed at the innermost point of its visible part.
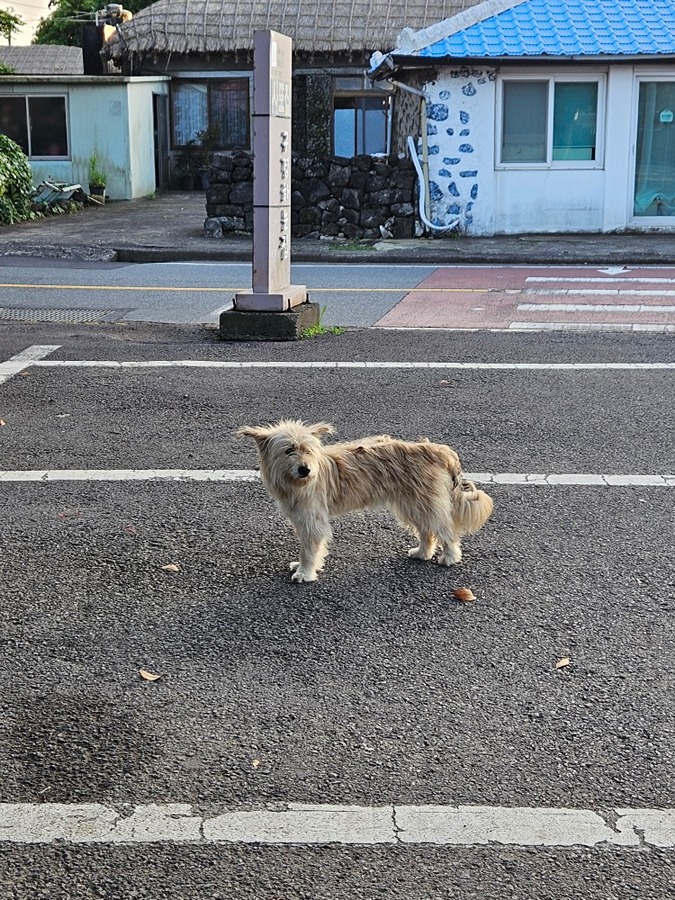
(307, 824)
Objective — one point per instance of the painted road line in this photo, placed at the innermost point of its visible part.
(596, 292)
(307, 824)
(296, 364)
(598, 280)
(299, 265)
(594, 307)
(215, 313)
(591, 326)
(23, 360)
(48, 475)
(120, 287)
(579, 479)
(230, 290)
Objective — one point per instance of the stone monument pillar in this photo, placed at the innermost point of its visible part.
(274, 309)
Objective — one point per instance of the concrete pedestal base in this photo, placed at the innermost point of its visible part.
(281, 301)
(240, 325)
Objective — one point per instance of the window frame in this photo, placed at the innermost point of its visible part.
(578, 77)
(204, 78)
(364, 92)
(35, 94)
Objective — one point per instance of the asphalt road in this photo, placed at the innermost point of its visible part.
(353, 295)
(370, 687)
(383, 294)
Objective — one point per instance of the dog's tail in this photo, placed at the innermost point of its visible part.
(472, 507)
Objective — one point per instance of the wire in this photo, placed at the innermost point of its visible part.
(29, 6)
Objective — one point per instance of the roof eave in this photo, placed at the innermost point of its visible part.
(396, 60)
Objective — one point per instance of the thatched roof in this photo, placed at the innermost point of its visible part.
(316, 26)
(43, 59)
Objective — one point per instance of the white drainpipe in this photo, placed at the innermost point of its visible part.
(422, 168)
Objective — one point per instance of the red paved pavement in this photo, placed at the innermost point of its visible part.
(539, 297)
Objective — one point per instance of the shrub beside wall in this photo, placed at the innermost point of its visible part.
(362, 197)
(16, 183)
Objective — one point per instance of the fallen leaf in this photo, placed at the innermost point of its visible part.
(171, 567)
(564, 661)
(466, 595)
(148, 676)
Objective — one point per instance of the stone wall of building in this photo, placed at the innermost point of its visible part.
(366, 197)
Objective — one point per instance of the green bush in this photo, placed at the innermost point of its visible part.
(16, 182)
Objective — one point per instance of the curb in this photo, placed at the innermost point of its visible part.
(503, 257)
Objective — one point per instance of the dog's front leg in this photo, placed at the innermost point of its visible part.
(313, 537)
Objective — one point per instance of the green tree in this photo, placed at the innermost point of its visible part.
(9, 23)
(64, 23)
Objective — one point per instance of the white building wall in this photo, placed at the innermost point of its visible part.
(460, 129)
(549, 200)
(466, 180)
(619, 171)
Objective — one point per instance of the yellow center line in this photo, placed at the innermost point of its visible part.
(230, 290)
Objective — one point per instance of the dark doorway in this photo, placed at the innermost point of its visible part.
(160, 114)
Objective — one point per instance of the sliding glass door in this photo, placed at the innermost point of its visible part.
(655, 151)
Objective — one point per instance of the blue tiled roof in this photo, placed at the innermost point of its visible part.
(566, 28)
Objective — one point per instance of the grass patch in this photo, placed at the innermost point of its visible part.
(314, 330)
(320, 328)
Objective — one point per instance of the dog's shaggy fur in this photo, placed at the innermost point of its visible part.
(419, 482)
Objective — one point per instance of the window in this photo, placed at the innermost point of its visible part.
(550, 121)
(222, 104)
(37, 124)
(360, 118)
(575, 118)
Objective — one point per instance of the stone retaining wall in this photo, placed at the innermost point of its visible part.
(362, 197)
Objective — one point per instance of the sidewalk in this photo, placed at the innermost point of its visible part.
(169, 228)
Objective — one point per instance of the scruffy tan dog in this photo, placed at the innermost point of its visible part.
(419, 482)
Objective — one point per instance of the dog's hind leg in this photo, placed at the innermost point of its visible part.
(471, 509)
(451, 551)
(416, 520)
(313, 538)
(426, 548)
(427, 517)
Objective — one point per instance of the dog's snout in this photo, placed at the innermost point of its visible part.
(303, 471)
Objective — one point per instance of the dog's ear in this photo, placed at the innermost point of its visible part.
(257, 432)
(321, 428)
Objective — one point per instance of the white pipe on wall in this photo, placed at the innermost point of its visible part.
(424, 194)
(422, 168)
